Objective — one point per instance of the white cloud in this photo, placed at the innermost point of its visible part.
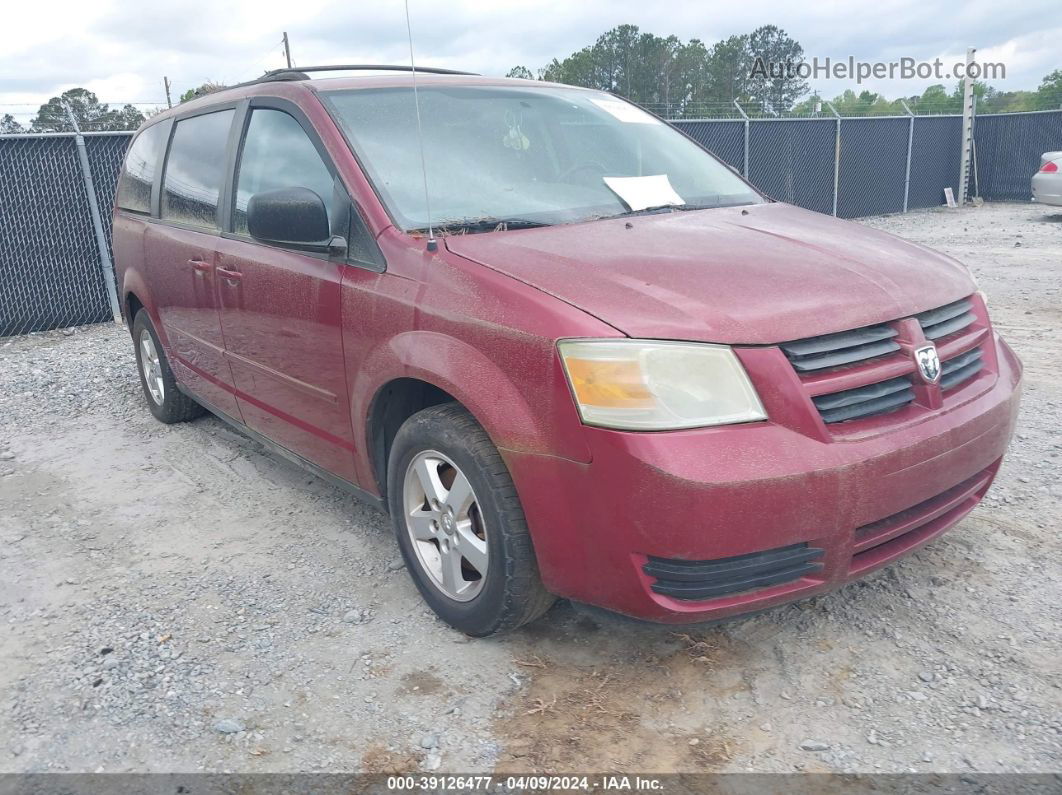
(122, 50)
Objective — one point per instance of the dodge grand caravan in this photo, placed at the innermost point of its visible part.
(568, 350)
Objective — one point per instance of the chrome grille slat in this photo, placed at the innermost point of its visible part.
(960, 369)
(945, 320)
(863, 394)
(843, 339)
(949, 326)
(959, 361)
(869, 408)
(845, 347)
(846, 356)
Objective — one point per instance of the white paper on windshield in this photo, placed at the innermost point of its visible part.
(625, 111)
(640, 193)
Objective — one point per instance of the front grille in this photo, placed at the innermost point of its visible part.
(852, 375)
(835, 350)
(707, 579)
(865, 401)
(945, 320)
(960, 369)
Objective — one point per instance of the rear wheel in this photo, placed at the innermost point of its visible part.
(165, 401)
(460, 526)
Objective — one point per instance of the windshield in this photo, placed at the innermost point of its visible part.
(525, 156)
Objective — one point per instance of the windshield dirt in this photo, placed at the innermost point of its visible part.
(504, 157)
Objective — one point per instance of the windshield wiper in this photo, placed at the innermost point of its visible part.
(473, 225)
(659, 208)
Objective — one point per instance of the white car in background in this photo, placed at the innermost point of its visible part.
(1047, 182)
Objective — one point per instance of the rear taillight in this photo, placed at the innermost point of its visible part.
(1049, 168)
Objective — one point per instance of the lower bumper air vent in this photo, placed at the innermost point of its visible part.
(708, 579)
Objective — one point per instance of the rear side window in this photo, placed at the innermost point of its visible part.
(278, 153)
(195, 169)
(138, 173)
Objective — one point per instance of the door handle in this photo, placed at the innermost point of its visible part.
(229, 275)
(199, 266)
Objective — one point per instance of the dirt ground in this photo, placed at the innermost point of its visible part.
(175, 599)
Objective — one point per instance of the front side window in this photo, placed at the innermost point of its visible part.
(278, 153)
(195, 169)
(138, 172)
(543, 155)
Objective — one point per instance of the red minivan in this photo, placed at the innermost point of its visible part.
(566, 348)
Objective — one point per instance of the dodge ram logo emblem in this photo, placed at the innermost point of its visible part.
(928, 363)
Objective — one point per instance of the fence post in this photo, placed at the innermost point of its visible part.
(910, 148)
(973, 145)
(745, 161)
(836, 157)
(97, 221)
(967, 128)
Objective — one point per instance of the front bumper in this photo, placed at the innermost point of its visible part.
(703, 495)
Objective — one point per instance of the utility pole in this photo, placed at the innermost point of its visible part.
(967, 129)
(166, 82)
(287, 49)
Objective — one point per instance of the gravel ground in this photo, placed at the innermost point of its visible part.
(175, 599)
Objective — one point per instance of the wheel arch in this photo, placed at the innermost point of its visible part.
(394, 403)
(418, 369)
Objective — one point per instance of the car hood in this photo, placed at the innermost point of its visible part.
(759, 274)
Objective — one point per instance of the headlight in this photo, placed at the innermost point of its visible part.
(646, 385)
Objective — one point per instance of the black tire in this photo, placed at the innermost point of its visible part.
(175, 406)
(512, 593)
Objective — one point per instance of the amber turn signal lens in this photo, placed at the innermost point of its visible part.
(609, 384)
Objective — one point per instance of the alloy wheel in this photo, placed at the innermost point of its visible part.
(445, 525)
(152, 368)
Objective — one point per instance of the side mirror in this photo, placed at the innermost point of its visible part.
(294, 217)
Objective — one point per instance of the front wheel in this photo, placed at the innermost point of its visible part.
(165, 401)
(460, 526)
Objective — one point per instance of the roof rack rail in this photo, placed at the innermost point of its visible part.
(301, 72)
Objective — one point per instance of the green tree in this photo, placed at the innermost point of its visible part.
(90, 113)
(128, 118)
(86, 107)
(679, 78)
(727, 72)
(935, 99)
(690, 78)
(8, 125)
(1008, 101)
(780, 87)
(208, 87)
(521, 72)
(1049, 94)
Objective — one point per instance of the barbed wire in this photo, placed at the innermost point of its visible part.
(24, 112)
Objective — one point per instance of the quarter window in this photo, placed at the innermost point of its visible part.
(278, 153)
(195, 169)
(138, 173)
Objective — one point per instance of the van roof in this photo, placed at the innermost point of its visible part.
(284, 82)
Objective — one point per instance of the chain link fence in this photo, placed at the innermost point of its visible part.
(51, 272)
(50, 267)
(871, 165)
(1008, 149)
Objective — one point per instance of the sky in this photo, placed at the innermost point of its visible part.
(121, 51)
